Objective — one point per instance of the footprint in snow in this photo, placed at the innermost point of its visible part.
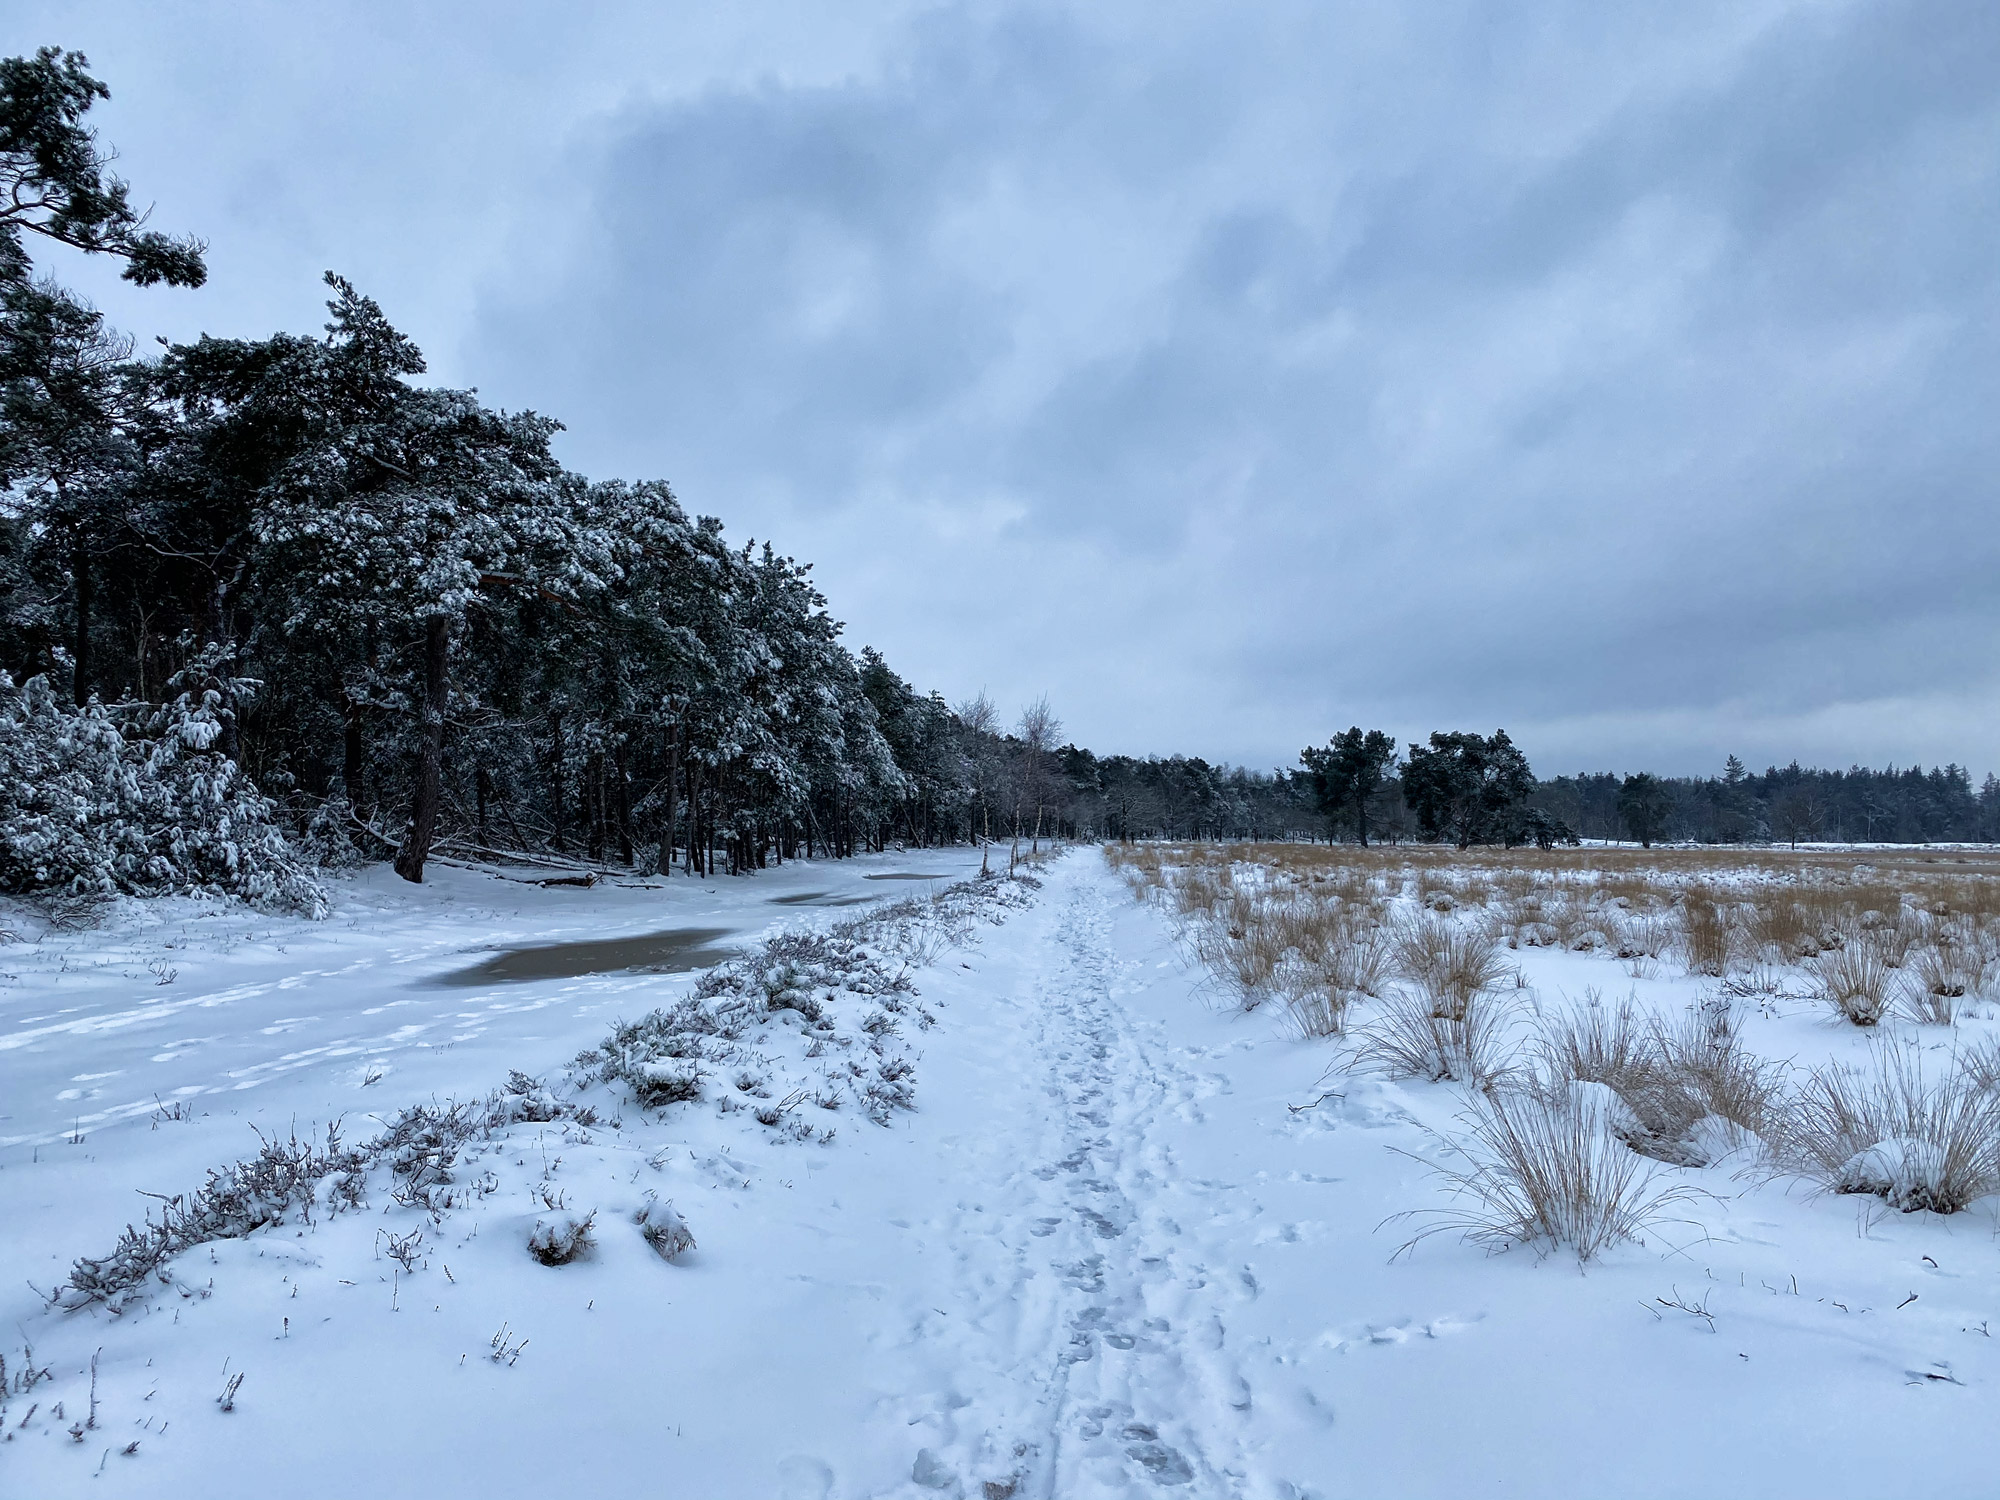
(1084, 1275)
(1100, 1226)
(1163, 1464)
(802, 1478)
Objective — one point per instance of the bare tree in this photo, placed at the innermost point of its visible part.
(981, 722)
(1796, 813)
(1039, 732)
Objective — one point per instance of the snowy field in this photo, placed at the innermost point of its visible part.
(1130, 1239)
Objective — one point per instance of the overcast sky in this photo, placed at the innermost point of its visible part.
(1621, 375)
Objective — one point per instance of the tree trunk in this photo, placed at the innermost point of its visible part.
(694, 818)
(593, 801)
(556, 774)
(354, 755)
(621, 766)
(86, 590)
(667, 823)
(483, 789)
(423, 815)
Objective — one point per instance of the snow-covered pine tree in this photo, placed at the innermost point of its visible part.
(98, 801)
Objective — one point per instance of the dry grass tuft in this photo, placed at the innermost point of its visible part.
(1409, 1038)
(1447, 965)
(1670, 1077)
(1704, 935)
(1546, 1169)
(1854, 981)
(1318, 1013)
(1886, 1130)
(1605, 1044)
(1705, 1058)
(1947, 971)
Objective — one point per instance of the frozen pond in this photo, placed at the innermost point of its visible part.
(674, 951)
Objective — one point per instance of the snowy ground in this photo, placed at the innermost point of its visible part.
(1102, 1257)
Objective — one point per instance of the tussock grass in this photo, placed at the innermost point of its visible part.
(1704, 935)
(1854, 981)
(1545, 1169)
(1946, 971)
(1559, 1132)
(1446, 965)
(1410, 1038)
(1318, 1012)
(1917, 1143)
(1599, 1043)
(1239, 948)
(1890, 935)
(1704, 1056)
(1670, 1076)
(1785, 930)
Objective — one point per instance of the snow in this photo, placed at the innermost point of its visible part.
(1128, 1242)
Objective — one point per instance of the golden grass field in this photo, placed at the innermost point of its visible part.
(1431, 964)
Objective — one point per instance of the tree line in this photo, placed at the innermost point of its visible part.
(1474, 789)
(393, 608)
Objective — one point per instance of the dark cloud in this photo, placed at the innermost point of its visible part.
(1620, 374)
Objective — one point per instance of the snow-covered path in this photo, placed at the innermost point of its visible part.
(1097, 1360)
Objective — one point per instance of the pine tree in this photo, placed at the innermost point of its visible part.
(1348, 772)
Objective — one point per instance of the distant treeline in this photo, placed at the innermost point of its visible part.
(1793, 803)
(1498, 799)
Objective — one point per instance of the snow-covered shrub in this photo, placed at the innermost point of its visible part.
(786, 971)
(920, 930)
(1887, 1130)
(664, 1229)
(420, 1148)
(893, 1087)
(558, 1241)
(1545, 1167)
(285, 1176)
(99, 801)
(839, 989)
(329, 840)
(663, 1081)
